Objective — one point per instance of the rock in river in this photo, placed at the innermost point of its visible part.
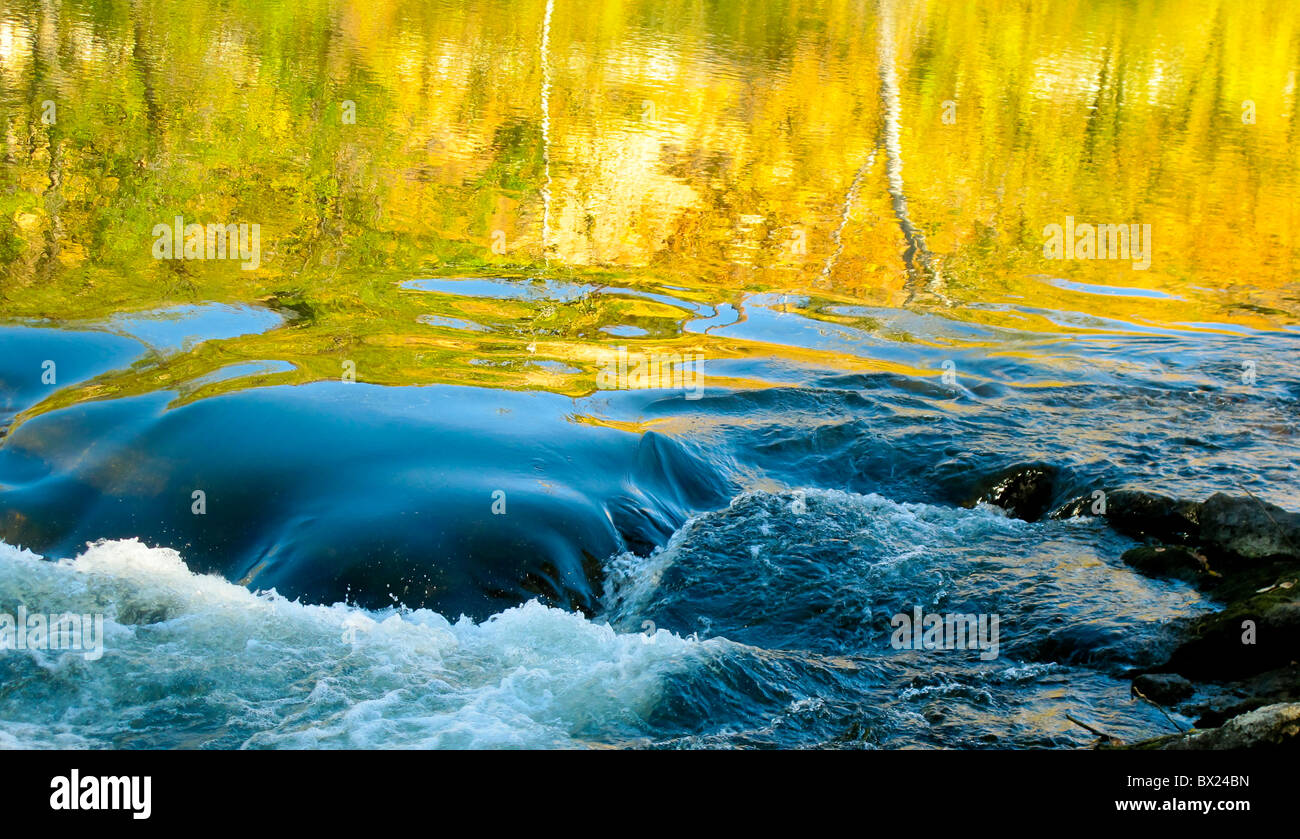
(1164, 688)
(1249, 528)
(1268, 727)
(1160, 561)
(1024, 490)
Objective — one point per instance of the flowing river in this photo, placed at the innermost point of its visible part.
(614, 374)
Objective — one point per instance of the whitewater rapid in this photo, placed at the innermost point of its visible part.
(194, 659)
(763, 623)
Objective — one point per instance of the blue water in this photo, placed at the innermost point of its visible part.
(665, 571)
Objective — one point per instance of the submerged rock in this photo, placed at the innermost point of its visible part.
(1160, 561)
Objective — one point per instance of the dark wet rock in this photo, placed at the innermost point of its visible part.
(1231, 583)
(1161, 561)
(1146, 515)
(1219, 702)
(1079, 506)
(1238, 531)
(1248, 528)
(1235, 529)
(1243, 658)
(1248, 637)
(1025, 490)
(1164, 688)
(1272, 726)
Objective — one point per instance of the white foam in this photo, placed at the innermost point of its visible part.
(194, 659)
(904, 532)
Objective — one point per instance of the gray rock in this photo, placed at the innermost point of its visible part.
(1249, 528)
(1267, 727)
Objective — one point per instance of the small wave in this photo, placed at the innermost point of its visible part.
(775, 569)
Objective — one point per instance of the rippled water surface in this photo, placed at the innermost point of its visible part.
(439, 505)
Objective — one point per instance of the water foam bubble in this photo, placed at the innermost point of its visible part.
(194, 660)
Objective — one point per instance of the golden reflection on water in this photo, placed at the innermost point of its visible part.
(642, 173)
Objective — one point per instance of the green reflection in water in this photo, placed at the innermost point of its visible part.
(637, 172)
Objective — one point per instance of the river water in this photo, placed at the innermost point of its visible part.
(613, 374)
